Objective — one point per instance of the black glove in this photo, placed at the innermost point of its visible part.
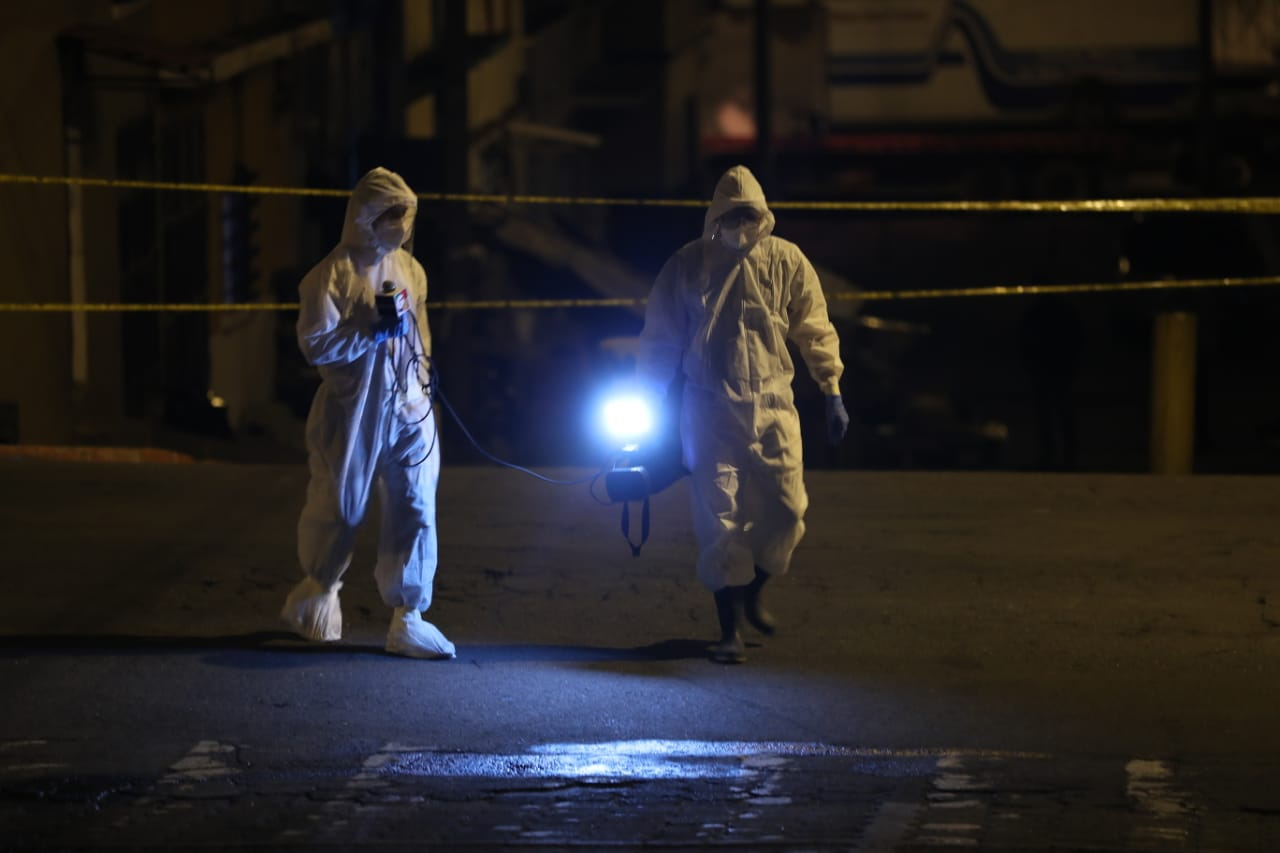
(386, 328)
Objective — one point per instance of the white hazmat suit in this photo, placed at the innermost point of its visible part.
(722, 310)
(370, 425)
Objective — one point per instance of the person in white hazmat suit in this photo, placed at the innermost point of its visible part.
(721, 312)
(371, 424)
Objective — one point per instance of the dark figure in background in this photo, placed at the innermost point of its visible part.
(1052, 338)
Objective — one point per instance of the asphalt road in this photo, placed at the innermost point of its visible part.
(986, 661)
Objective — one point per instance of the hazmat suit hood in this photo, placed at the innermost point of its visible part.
(737, 188)
(379, 190)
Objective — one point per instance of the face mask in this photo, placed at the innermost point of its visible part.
(392, 234)
(740, 237)
(390, 237)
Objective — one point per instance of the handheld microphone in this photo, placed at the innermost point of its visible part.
(392, 302)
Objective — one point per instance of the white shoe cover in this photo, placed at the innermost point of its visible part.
(314, 612)
(414, 637)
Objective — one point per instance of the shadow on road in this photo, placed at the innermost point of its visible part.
(29, 645)
(665, 650)
(286, 649)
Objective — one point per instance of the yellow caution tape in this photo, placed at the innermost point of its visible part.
(1254, 204)
(517, 304)
(114, 307)
(533, 303)
(253, 189)
(117, 183)
(1043, 289)
(220, 307)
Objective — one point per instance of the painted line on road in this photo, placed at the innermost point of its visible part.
(11, 745)
(27, 768)
(888, 829)
(762, 789)
(207, 760)
(1165, 813)
(954, 817)
(336, 814)
(38, 763)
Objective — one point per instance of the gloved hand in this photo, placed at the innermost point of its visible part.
(837, 419)
(386, 328)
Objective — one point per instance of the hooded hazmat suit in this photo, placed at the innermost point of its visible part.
(370, 426)
(722, 314)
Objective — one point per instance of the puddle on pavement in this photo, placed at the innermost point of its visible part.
(652, 759)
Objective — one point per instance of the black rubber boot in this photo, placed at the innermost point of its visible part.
(728, 610)
(762, 620)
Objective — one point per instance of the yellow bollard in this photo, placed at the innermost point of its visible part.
(1173, 393)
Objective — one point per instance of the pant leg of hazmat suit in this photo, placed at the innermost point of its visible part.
(370, 426)
(723, 314)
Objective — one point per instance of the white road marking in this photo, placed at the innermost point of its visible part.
(1164, 811)
(35, 759)
(958, 804)
(12, 745)
(337, 812)
(953, 817)
(207, 760)
(953, 812)
(765, 793)
(888, 829)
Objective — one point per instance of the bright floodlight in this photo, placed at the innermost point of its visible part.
(627, 418)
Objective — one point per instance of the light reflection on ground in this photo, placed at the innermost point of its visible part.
(658, 759)
(582, 765)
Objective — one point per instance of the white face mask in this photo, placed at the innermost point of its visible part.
(392, 234)
(740, 237)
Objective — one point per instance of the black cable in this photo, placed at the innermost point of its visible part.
(448, 407)
(418, 354)
(431, 389)
(400, 384)
(591, 490)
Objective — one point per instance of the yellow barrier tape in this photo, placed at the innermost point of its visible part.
(222, 307)
(119, 183)
(515, 304)
(114, 307)
(1253, 204)
(1043, 289)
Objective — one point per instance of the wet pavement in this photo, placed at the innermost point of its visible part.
(643, 794)
(995, 662)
